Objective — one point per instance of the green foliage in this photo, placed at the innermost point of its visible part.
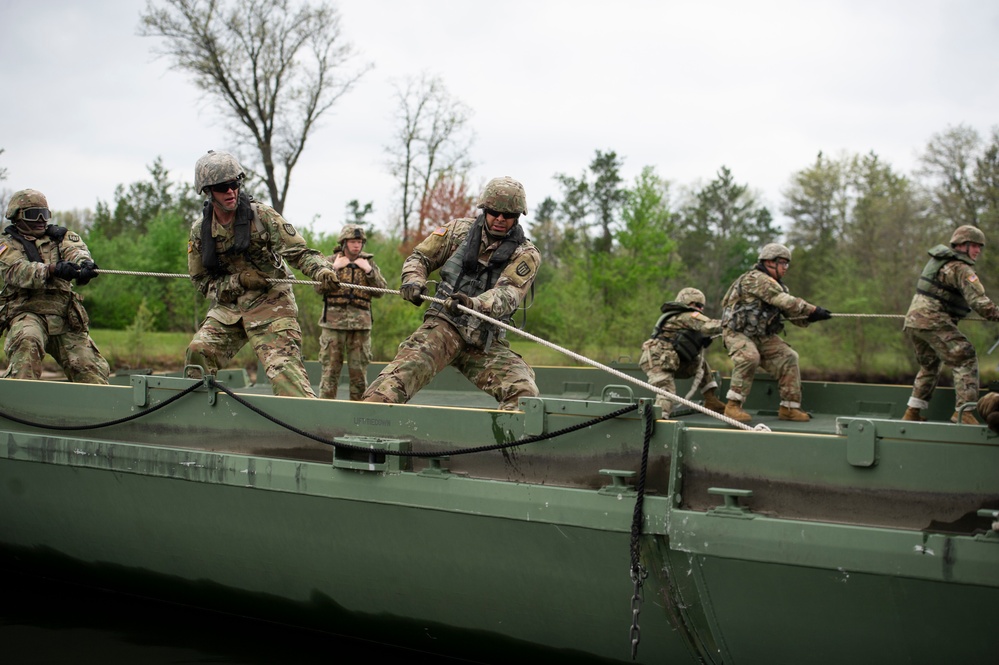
(612, 252)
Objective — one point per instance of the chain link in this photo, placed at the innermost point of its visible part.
(638, 575)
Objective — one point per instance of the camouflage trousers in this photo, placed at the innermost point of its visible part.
(774, 355)
(334, 345)
(278, 345)
(28, 340)
(937, 347)
(660, 362)
(435, 345)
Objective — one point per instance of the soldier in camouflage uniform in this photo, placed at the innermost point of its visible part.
(346, 319)
(752, 318)
(233, 250)
(947, 291)
(676, 349)
(486, 264)
(38, 262)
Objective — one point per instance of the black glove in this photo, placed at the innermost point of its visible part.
(706, 342)
(413, 292)
(66, 270)
(451, 304)
(88, 271)
(820, 314)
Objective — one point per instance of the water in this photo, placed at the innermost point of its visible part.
(45, 622)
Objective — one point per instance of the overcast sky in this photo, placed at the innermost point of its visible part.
(686, 87)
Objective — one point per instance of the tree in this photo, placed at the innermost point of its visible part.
(597, 203)
(274, 69)
(431, 145)
(143, 201)
(721, 229)
(949, 163)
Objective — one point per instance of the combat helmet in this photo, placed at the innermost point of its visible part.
(214, 168)
(690, 296)
(25, 198)
(352, 232)
(504, 195)
(967, 233)
(774, 250)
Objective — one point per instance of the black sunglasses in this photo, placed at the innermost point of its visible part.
(34, 214)
(502, 215)
(224, 187)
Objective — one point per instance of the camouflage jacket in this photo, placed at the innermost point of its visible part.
(509, 290)
(928, 313)
(756, 302)
(274, 244)
(667, 326)
(347, 308)
(27, 286)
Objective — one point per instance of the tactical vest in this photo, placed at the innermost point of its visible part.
(753, 318)
(348, 297)
(240, 252)
(951, 298)
(455, 278)
(686, 342)
(57, 295)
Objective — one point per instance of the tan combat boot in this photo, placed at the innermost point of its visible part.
(734, 411)
(712, 402)
(912, 413)
(797, 415)
(967, 418)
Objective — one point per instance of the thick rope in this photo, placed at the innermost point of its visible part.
(572, 354)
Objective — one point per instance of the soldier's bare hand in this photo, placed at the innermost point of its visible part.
(340, 261)
(363, 264)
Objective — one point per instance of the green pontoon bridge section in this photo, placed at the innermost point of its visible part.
(853, 538)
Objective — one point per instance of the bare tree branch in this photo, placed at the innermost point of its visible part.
(276, 69)
(431, 145)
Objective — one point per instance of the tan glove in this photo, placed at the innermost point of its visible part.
(328, 281)
(254, 280)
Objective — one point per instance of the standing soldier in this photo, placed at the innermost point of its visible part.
(486, 264)
(38, 261)
(233, 250)
(946, 292)
(346, 319)
(752, 318)
(676, 349)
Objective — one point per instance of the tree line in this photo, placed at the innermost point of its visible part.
(614, 251)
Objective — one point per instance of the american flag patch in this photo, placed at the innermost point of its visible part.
(971, 278)
(3, 247)
(441, 230)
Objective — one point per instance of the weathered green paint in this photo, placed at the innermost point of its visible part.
(852, 538)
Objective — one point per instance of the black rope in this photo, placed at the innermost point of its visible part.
(329, 442)
(413, 453)
(151, 409)
(638, 572)
(638, 516)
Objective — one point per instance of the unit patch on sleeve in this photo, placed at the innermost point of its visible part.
(523, 269)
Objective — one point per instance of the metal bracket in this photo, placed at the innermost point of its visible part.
(609, 394)
(618, 486)
(435, 467)
(372, 459)
(731, 507)
(861, 442)
(992, 535)
(142, 383)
